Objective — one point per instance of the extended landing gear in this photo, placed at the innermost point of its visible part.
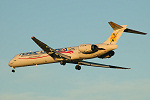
(77, 67)
(63, 63)
(13, 70)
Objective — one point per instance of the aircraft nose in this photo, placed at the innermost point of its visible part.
(10, 63)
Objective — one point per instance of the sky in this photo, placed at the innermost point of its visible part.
(65, 23)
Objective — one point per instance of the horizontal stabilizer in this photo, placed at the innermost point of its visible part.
(134, 31)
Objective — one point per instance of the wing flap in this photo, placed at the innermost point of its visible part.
(50, 51)
(99, 65)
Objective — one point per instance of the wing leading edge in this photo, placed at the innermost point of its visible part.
(99, 65)
(50, 51)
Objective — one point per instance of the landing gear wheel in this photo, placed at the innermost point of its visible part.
(13, 70)
(78, 67)
(63, 63)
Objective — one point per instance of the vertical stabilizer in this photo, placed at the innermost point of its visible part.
(118, 30)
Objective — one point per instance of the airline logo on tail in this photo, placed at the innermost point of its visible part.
(113, 37)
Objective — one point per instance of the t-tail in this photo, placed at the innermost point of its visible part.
(118, 30)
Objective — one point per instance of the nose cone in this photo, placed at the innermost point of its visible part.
(10, 63)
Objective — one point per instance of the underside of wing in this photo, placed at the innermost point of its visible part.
(50, 51)
(99, 65)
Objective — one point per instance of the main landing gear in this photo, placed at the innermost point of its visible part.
(63, 62)
(77, 67)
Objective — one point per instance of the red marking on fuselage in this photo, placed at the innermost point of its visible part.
(66, 52)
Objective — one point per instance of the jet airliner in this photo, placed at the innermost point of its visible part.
(75, 55)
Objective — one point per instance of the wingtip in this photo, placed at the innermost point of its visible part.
(125, 68)
(32, 37)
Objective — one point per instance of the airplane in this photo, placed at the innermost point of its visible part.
(75, 55)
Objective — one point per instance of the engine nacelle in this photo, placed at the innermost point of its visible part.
(107, 55)
(88, 48)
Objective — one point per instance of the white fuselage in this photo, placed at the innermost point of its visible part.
(40, 57)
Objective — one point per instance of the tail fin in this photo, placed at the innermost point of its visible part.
(118, 30)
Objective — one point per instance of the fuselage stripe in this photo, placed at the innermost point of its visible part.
(34, 57)
(45, 56)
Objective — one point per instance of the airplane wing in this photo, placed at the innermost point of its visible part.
(50, 51)
(99, 65)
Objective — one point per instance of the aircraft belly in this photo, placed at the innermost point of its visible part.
(46, 60)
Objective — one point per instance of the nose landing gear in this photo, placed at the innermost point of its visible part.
(13, 69)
